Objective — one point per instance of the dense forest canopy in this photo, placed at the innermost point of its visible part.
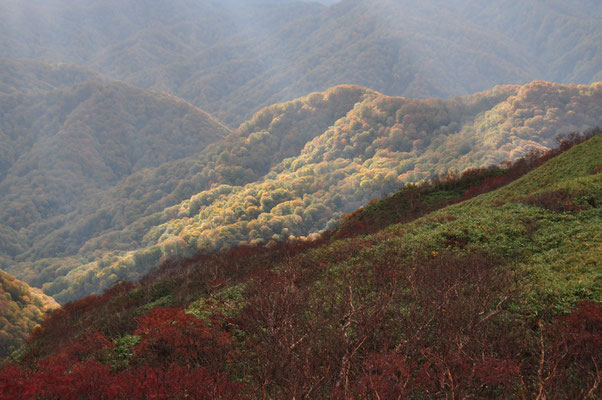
(292, 170)
(67, 135)
(233, 58)
(21, 309)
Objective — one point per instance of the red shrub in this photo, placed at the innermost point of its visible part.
(90, 345)
(386, 376)
(567, 362)
(487, 186)
(176, 382)
(582, 331)
(12, 382)
(555, 200)
(493, 371)
(169, 335)
(58, 377)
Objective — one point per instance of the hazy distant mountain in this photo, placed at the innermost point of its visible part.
(119, 216)
(110, 168)
(563, 39)
(293, 169)
(232, 58)
(73, 140)
(30, 77)
(64, 139)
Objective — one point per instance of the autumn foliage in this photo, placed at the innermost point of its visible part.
(178, 357)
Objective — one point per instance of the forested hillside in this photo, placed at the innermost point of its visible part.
(30, 77)
(21, 309)
(232, 58)
(558, 32)
(497, 296)
(293, 170)
(66, 137)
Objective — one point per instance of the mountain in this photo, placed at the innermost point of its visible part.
(233, 58)
(21, 309)
(118, 217)
(293, 170)
(20, 76)
(494, 296)
(557, 33)
(66, 137)
(76, 140)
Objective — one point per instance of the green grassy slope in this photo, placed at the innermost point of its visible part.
(548, 222)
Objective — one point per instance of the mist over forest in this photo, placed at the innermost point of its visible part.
(233, 58)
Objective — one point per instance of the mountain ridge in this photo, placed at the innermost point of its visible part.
(326, 163)
(67, 134)
(232, 59)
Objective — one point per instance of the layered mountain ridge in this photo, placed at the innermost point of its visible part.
(300, 199)
(67, 135)
(233, 58)
(292, 170)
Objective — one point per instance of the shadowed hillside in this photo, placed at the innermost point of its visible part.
(67, 135)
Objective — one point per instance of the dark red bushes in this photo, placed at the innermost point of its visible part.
(555, 359)
(177, 382)
(59, 378)
(435, 326)
(568, 361)
(169, 335)
(346, 338)
(487, 186)
(12, 382)
(179, 356)
(556, 201)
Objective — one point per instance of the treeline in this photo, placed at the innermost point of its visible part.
(62, 147)
(68, 135)
(119, 217)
